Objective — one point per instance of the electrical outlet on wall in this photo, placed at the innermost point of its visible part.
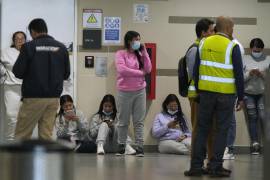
(89, 61)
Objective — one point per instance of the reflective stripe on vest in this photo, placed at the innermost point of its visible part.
(191, 88)
(216, 64)
(217, 79)
(216, 69)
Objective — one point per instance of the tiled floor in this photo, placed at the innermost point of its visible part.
(157, 167)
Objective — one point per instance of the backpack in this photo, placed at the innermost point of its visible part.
(183, 81)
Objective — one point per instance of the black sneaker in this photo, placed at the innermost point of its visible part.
(205, 170)
(139, 152)
(194, 172)
(222, 172)
(121, 150)
(255, 148)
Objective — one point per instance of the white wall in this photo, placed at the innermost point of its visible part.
(59, 16)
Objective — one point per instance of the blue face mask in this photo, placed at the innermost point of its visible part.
(107, 113)
(256, 55)
(136, 45)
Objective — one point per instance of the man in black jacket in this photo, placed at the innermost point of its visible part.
(43, 64)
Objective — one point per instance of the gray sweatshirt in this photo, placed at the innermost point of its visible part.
(190, 59)
(254, 84)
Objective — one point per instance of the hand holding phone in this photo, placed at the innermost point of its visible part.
(70, 115)
(181, 138)
(142, 47)
(109, 122)
(172, 124)
(254, 72)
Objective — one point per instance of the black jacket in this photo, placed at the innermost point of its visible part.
(43, 64)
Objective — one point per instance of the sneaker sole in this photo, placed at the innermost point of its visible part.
(233, 158)
(139, 155)
(101, 153)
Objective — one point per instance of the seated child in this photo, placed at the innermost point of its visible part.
(71, 125)
(171, 129)
(103, 127)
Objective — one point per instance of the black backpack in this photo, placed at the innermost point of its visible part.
(183, 82)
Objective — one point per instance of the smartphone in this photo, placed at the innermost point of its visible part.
(141, 47)
(69, 113)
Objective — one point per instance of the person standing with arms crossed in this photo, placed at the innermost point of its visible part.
(218, 77)
(12, 85)
(43, 65)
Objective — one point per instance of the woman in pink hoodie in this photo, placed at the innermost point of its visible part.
(132, 64)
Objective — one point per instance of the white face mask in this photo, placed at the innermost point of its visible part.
(256, 54)
(172, 112)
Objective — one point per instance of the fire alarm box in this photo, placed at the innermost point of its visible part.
(151, 78)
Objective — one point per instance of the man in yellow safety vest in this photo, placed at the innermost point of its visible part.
(218, 73)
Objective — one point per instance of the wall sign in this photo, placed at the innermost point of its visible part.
(92, 18)
(112, 30)
(141, 13)
(101, 66)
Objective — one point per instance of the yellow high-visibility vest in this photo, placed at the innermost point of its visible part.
(216, 69)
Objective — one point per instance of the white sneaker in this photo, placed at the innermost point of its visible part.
(255, 148)
(228, 155)
(100, 149)
(129, 150)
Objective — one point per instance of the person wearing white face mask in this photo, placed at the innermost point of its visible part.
(255, 66)
(103, 128)
(171, 129)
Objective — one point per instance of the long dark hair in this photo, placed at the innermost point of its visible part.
(128, 38)
(179, 115)
(14, 36)
(107, 98)
(63, 99)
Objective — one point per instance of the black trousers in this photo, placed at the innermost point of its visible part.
(222, 106)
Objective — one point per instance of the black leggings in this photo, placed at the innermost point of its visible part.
(86, 147)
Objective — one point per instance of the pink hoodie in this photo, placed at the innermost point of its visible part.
(129, 76)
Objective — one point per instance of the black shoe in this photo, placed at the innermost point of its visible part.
(194, 172)
(121, 150)
(222, 172)
(205, 171)
(226, 170)
(139, 152)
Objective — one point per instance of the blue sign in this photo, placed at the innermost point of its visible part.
(112, 34)
(112, 29)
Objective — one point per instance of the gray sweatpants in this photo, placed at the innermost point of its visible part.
(174, 147)
(131, 104)
(109, 136)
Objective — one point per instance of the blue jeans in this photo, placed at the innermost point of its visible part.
(222, 106)
(255, 114)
